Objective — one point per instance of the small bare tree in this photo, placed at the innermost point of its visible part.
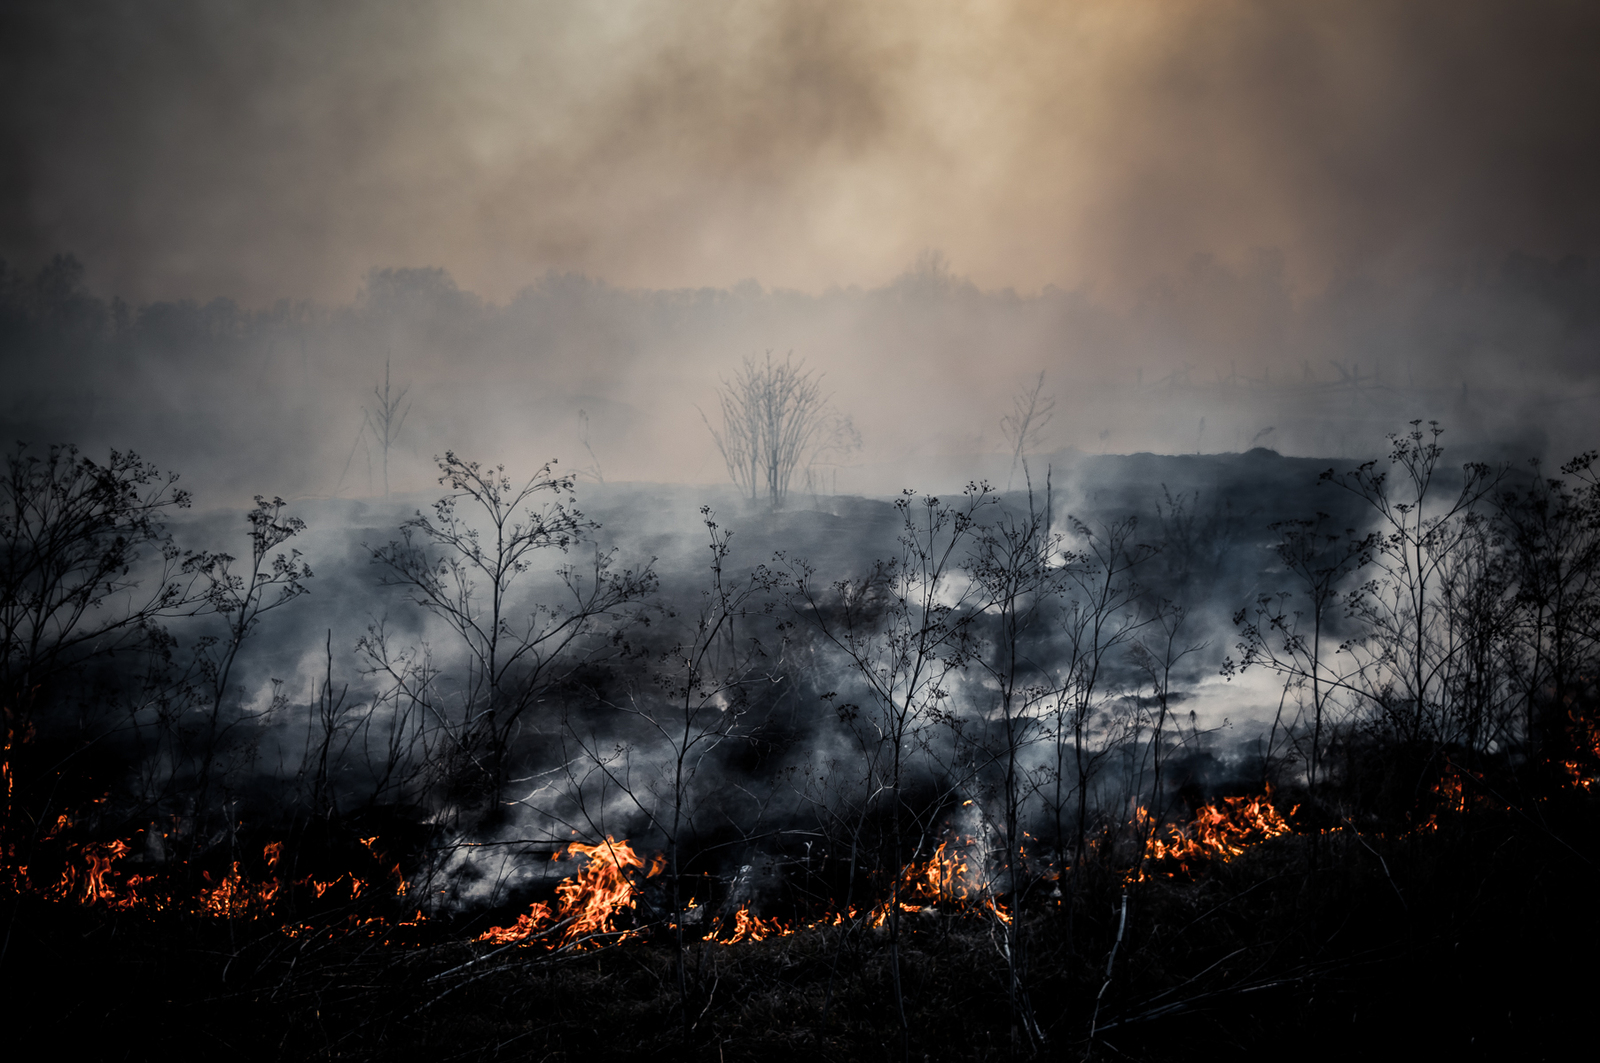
(72, 532)
(385, 421)
(698, 695)
(461, 563)
(1024, 426)
(1017, 566)
(1104, 612)
(592, 470)
(775, 419)
(1293, 641)
(905, 632)
(1407, 653)
(240, 597)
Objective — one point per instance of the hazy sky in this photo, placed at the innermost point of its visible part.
(258, 150)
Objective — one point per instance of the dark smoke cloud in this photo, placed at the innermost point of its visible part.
(259, 151)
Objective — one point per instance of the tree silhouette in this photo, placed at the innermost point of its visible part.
(1024, 426)
(386, 420)
(775, 419)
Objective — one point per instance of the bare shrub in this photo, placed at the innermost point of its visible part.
(775, 421)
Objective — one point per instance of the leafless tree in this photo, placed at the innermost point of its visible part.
(591, 470)
(1552, 529)
(241, 599)
(697, 696)
(385, 421)
(1103, 613)
(1408, 650)
(1017, 565)
(1294, 641)
(775, 420)
(73, 579)
(87, 573)
(461, 564)
(1158, 653)
(1024, 426)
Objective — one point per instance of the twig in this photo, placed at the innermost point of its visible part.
(546, 932)
(1513, 808)
(711, 996)
(1122, 924)
(1218, 907)
(1381, 863)
(1196, 977)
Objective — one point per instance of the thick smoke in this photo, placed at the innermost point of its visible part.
(258, 152)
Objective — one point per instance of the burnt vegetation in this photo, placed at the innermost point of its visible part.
(949, 803)
(921, 778)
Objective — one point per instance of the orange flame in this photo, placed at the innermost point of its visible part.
(1220, 831)
(750, 927)
(587, 903)
(90, 884)
(1586, 736)
(236, 897)
(90, 877)
(943, 878)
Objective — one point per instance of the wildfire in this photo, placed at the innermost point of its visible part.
(587, 903)
(237, 897)
(1586, 737)
(750, 927)
(1452, 794)
(92, 875)
(1220, 831)
(92, 883)
(943, 878)
(590, 906)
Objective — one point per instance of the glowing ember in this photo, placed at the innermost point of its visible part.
(1585, 735)
(1452, 795)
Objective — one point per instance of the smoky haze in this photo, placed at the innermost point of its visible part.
(263, 151)
(613, 382)
(1211, 226)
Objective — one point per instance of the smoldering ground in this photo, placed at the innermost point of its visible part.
(1205, 522)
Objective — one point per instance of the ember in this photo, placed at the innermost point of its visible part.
(1583, 771)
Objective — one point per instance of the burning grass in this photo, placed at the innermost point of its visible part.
(1221, 830)
(1242, 927)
